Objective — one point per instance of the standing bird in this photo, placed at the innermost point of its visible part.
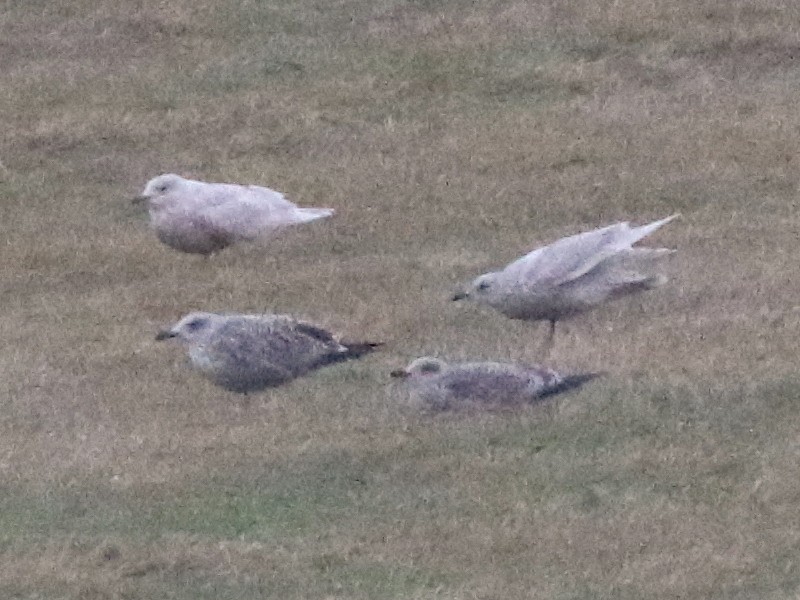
(202, 218)
(246, 353)
(572, 275)
(442, 386)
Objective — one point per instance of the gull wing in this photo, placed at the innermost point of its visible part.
(465, 383)
(244, 211)
(247, 342)
(572, 257)
(248, 211)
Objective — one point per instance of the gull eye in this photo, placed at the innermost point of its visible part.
(162, 188)
(194, 325)
(483, 286)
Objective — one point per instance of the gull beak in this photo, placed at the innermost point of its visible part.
(402, 373)
(139, 200)
(459, 296)
(165, 335)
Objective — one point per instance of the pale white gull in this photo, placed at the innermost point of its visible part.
(202, 218)
(572, 275)
(245, 353)
(439, 385)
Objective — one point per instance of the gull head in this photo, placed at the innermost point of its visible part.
(159, 187)
(479, 289)
(421, 367)
(192, 329)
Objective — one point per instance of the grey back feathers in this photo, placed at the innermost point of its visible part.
(244, 353)
(201, 218)
(573, 274)
(439, 385)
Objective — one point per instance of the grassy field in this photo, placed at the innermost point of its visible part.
(450, 136)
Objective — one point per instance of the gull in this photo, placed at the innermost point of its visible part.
(244, 353)
(572, 275)
(440, 385)
(201, 218)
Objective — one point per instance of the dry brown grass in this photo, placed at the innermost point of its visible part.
(450, 136)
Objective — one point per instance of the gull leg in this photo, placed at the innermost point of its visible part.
(549, 341)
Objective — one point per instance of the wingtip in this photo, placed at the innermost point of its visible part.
(356, 349)
(644, 230)
(312, 214)
(323, 213)
(572, 382)
(666, 220)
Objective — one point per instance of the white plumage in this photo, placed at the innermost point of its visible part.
(201, 218)
(572, 275)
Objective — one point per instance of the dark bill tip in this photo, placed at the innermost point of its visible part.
(399, 373)
(164, 335)
(458, 296)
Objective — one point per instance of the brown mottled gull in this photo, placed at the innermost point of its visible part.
(202, 218)
(245, 353)
(572, 275)
(439, 385)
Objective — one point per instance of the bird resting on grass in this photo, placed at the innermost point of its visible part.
(245, 353)
(439, 385)
(201, 218)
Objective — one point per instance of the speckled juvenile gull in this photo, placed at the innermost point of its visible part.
(572, 275)
(201, 218)
(245, 353)
(439, 385)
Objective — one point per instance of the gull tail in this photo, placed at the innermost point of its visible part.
(358, 349)
(345, 352)
(631, 263)
(304, 215)
(570, 382)
(632, 283)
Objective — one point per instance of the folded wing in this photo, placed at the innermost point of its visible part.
(249, 211)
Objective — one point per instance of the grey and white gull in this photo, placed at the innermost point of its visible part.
(438, 385)
(245, 353)
(572, 275)
(201, 218)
